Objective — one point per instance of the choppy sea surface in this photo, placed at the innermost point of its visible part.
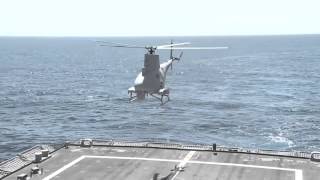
(263, 92)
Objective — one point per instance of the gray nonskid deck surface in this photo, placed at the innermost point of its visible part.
(96, 163)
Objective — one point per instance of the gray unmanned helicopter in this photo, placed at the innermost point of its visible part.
(151, 80)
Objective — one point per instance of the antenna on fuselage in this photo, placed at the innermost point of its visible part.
(171, 50)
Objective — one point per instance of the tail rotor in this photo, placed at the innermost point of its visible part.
(176, 59)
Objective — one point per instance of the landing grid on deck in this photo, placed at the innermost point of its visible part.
(28, 156)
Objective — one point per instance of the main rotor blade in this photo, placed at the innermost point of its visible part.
(112, 44)
(172, 45)
(122, 46)
(195, 48)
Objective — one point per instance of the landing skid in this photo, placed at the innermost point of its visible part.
(133, 98)
(162, 97)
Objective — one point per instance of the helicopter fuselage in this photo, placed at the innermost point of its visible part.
(151, 80)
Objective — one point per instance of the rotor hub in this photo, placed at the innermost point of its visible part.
(151, 49)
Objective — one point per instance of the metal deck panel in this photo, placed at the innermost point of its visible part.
(129, 163)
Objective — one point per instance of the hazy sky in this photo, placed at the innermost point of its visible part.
(162, 17)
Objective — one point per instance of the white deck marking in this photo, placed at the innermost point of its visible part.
(133, 158)
(186, 159)
(241, 165)
(298, 172)
(64, 168)
(184, 162)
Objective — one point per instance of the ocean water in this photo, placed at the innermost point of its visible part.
(263, 92)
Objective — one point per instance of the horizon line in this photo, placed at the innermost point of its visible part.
(119, 36)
